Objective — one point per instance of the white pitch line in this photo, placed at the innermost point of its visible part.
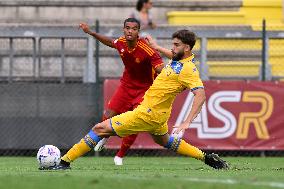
(221, 181)
(230, 181)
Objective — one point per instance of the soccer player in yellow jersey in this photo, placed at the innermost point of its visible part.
(153, 113)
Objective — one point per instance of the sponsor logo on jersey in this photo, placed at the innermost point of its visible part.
(176, 66)
(118, 123)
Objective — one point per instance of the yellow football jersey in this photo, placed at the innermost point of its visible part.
(153, 113)
(174, 78)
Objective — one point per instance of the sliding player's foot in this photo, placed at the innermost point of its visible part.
(213, 160)
(101, 145)
(118, 160)
(63, 165)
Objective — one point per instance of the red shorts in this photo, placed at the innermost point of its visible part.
(126, 99)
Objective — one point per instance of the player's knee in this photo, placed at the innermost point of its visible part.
(98, 129)
(101, 129)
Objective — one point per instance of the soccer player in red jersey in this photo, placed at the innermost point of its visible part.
(141, 64)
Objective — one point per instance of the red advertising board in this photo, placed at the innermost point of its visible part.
(238, 115)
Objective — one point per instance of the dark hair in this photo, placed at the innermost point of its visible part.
(140, 3)
(132, 20)
(186, 36)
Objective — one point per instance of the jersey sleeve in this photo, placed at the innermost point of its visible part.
(115, 42)
(189, 77)
(156, 60)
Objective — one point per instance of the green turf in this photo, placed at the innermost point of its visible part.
(143, 172)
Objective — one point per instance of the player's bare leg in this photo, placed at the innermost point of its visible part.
(181, 147)
(107, 114)
(88, 142)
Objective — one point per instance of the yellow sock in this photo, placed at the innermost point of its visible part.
(186, 149)
(76, 151)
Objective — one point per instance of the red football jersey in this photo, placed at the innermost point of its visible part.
(139, 63)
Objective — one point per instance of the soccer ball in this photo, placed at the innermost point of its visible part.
(48, 156)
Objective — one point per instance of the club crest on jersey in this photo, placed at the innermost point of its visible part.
(122, 50)
(137, 60)
(176, 66)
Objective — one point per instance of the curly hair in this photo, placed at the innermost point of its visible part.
(186, 36)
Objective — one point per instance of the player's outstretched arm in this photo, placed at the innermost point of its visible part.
(168, 53)
(199, 99)
(103, 39)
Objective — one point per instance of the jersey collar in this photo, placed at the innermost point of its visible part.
(131, 50)
(188, 59)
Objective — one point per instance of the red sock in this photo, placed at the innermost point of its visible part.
(125, 145)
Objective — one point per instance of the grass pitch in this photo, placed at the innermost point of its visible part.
(143, 172)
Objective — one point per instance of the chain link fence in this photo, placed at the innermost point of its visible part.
(43, 97)
(52, 78)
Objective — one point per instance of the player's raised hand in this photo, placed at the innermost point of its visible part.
(85, 27)
(149, 39)
(152, 43)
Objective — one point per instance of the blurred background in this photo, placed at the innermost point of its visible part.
(55, 79)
